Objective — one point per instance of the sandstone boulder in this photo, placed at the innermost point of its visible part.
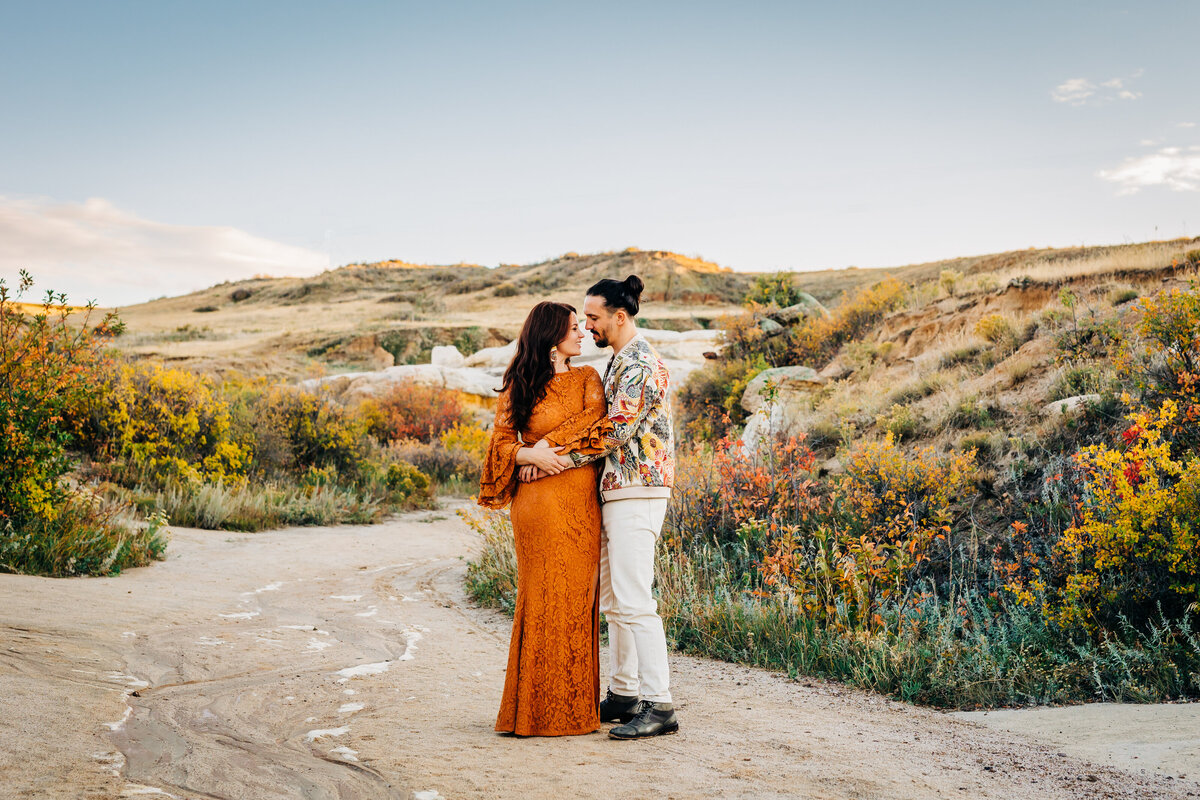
(1069, 406)
(786, 414)
(808, 306)
(788, 382)
(447, 355)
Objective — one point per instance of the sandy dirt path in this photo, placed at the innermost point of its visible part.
(347, 663)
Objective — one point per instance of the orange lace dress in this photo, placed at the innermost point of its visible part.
(552, 684)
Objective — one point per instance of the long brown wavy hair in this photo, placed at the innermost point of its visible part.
(531, 368)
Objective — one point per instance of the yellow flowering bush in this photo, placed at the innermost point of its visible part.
(468, 438)
(888, 509)
(314, 432)
(1136, 543)
(167, 424)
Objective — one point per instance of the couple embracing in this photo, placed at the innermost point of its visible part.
(587, 464)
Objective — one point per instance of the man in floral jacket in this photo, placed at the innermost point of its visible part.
(635, 486)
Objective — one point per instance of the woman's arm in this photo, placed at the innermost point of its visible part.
(505, 453)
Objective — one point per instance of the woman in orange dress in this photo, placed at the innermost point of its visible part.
(552, 684)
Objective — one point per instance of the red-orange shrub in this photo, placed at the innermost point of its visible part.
(412, 410)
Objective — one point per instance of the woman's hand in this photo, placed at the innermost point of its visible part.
(544, 458)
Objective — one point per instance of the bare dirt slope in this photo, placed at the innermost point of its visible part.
(346, 663)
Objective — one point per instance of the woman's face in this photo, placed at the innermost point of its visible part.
(571, 345)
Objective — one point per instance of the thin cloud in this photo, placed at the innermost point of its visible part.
(1186, 125)
(1173, 167)
(1074, 91)
(94, 250)
(1082, 91)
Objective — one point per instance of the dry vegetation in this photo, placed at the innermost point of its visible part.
(290, 327)
(929, 523)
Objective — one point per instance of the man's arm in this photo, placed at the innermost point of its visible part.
(636, 393)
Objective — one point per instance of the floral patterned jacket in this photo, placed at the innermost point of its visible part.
(640, 451)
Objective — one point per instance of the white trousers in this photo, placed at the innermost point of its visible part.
(636, 643)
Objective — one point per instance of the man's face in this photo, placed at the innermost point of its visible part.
(599, 320)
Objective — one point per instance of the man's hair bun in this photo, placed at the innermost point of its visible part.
(634, 285)
(625, 295)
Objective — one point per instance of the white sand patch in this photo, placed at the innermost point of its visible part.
(270, 587)
(272, 642)
(321, 733)
(209, 641)
(318, 645)
(138, 790)
(378, 668)
(128, 680)
(373, 610)
(350, 708)
(112, 762)
(349, 598)
(406, 599)
(349, 691)
(241, 615)
(389, 566)
(428, 794)
(345, 752)
(119, 724)
(129, 634)
(410, 645)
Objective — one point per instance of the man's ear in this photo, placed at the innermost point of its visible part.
(621, 316)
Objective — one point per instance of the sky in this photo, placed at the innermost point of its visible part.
(154, 148)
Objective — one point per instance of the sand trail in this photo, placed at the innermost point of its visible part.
(345, 662)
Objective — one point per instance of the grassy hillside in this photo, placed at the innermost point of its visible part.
(285, 327)
(288, 327)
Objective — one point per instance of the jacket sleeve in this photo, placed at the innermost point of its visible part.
(586, 432)
(498, 479)
(636, 394)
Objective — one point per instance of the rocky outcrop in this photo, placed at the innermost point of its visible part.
(447, 355)
(480, 374)
(785, 382)
(1070, 406)
(355, 386)
(808, 306)
(777, 400)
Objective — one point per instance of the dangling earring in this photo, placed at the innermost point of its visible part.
(554, 355)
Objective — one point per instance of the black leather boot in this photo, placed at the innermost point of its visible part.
(652, 719)
(617, 707)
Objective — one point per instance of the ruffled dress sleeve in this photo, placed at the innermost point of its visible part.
(498, 478)
(585, 433)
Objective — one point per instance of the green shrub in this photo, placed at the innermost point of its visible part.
(50, 367)
(711, 397)
(1075, 381)
(902, 422)
(492, 574)
(918, 389)
(777, 289)
(1120, 297)
(973, 413)
(84, 537)
(962, 355)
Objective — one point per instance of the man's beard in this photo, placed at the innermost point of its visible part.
(600, 339)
